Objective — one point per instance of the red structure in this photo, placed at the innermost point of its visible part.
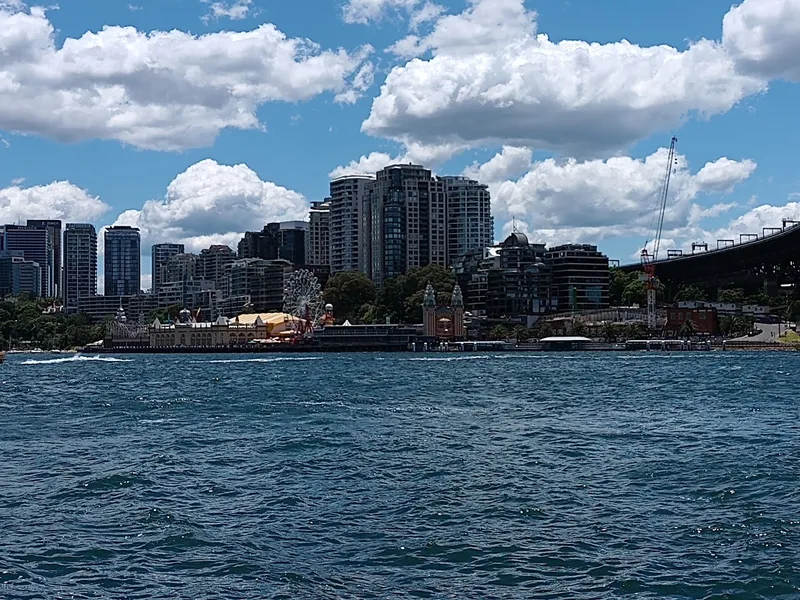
(705, 320)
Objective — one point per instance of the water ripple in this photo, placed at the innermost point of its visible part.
(570, 476)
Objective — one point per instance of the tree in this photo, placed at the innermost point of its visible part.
(545, 330)
(635, 331)
(499, 333)
(402, 296)
(609, 332)
(618, 281)
(522, 333)
(635, 293)
(731, 296)
(689, 293)
(688, 329)
(349, 292)
(578, 327)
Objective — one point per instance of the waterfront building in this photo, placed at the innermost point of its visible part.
(580, 277)
(704, 320)
(257, 281)
(19, 275)
(54, 227)
(469, 216)
(36, 245)
(195, 293)
(506, 281)
(347, 236)
(159, 255)
(80, 264)
(319, 233)
(211, 264)
(122, 261)
(445, 323)
(405, 222)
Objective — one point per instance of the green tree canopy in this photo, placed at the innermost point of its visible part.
(689, 293)
(401, 297)
(733, 295)
(349, 292)
(22, 319)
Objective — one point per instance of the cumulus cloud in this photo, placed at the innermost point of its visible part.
(763, 37)
(370, 11)
(571, 200)
(492, 79)
(427, 155)
(158, 90)
(210, 203)
(57, 200)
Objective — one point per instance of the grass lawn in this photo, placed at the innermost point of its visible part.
(790, 336)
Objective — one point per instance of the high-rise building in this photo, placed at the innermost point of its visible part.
(211, 264)
(256, 282)
(285, 240)
(263, 244)
(123, 275)
(319, 233)
(178, 268)
(18, 275)
(348, 196)
(469, 216)
(36, 244)
(293, 236)
(580, 276)
(159, 254)
(406, 212)
(54, 227)
(80, 264)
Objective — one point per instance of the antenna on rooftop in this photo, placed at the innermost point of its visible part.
(514, 225)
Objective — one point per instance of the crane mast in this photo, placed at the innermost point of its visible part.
(648, 260)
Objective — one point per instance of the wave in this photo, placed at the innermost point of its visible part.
(76, 358)
(470, 357)
(225, 361)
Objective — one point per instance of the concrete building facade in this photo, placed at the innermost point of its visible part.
(469, 216)
(319, 227)
(80, 264)
(159, 255)
(54, 227)
(347, 235)
(580, 276)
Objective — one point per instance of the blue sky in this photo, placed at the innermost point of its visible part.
(574, 125)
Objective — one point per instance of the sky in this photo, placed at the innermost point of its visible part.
(197, 120)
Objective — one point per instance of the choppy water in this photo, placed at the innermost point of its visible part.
(401, 476)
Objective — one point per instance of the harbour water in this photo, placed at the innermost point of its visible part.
(570, 476)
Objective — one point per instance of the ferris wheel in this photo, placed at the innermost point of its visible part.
(302, 299)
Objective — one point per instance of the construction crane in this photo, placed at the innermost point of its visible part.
(648, 259)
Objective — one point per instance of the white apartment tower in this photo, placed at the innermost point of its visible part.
(469, 216)
(80, 264)
(319, 233)
(348, 195)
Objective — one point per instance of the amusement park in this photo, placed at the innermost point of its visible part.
(306, 323)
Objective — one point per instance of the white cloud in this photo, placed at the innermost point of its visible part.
(571, 200)
(236, 11)
(158, 90)
(509, 163)
(370, 11)
(491, 79)
(57, 200)
(722, 174)
(211, 203)
(763, 36)
(429, 156)
(362, 81)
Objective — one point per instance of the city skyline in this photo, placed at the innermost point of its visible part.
(563, 170)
